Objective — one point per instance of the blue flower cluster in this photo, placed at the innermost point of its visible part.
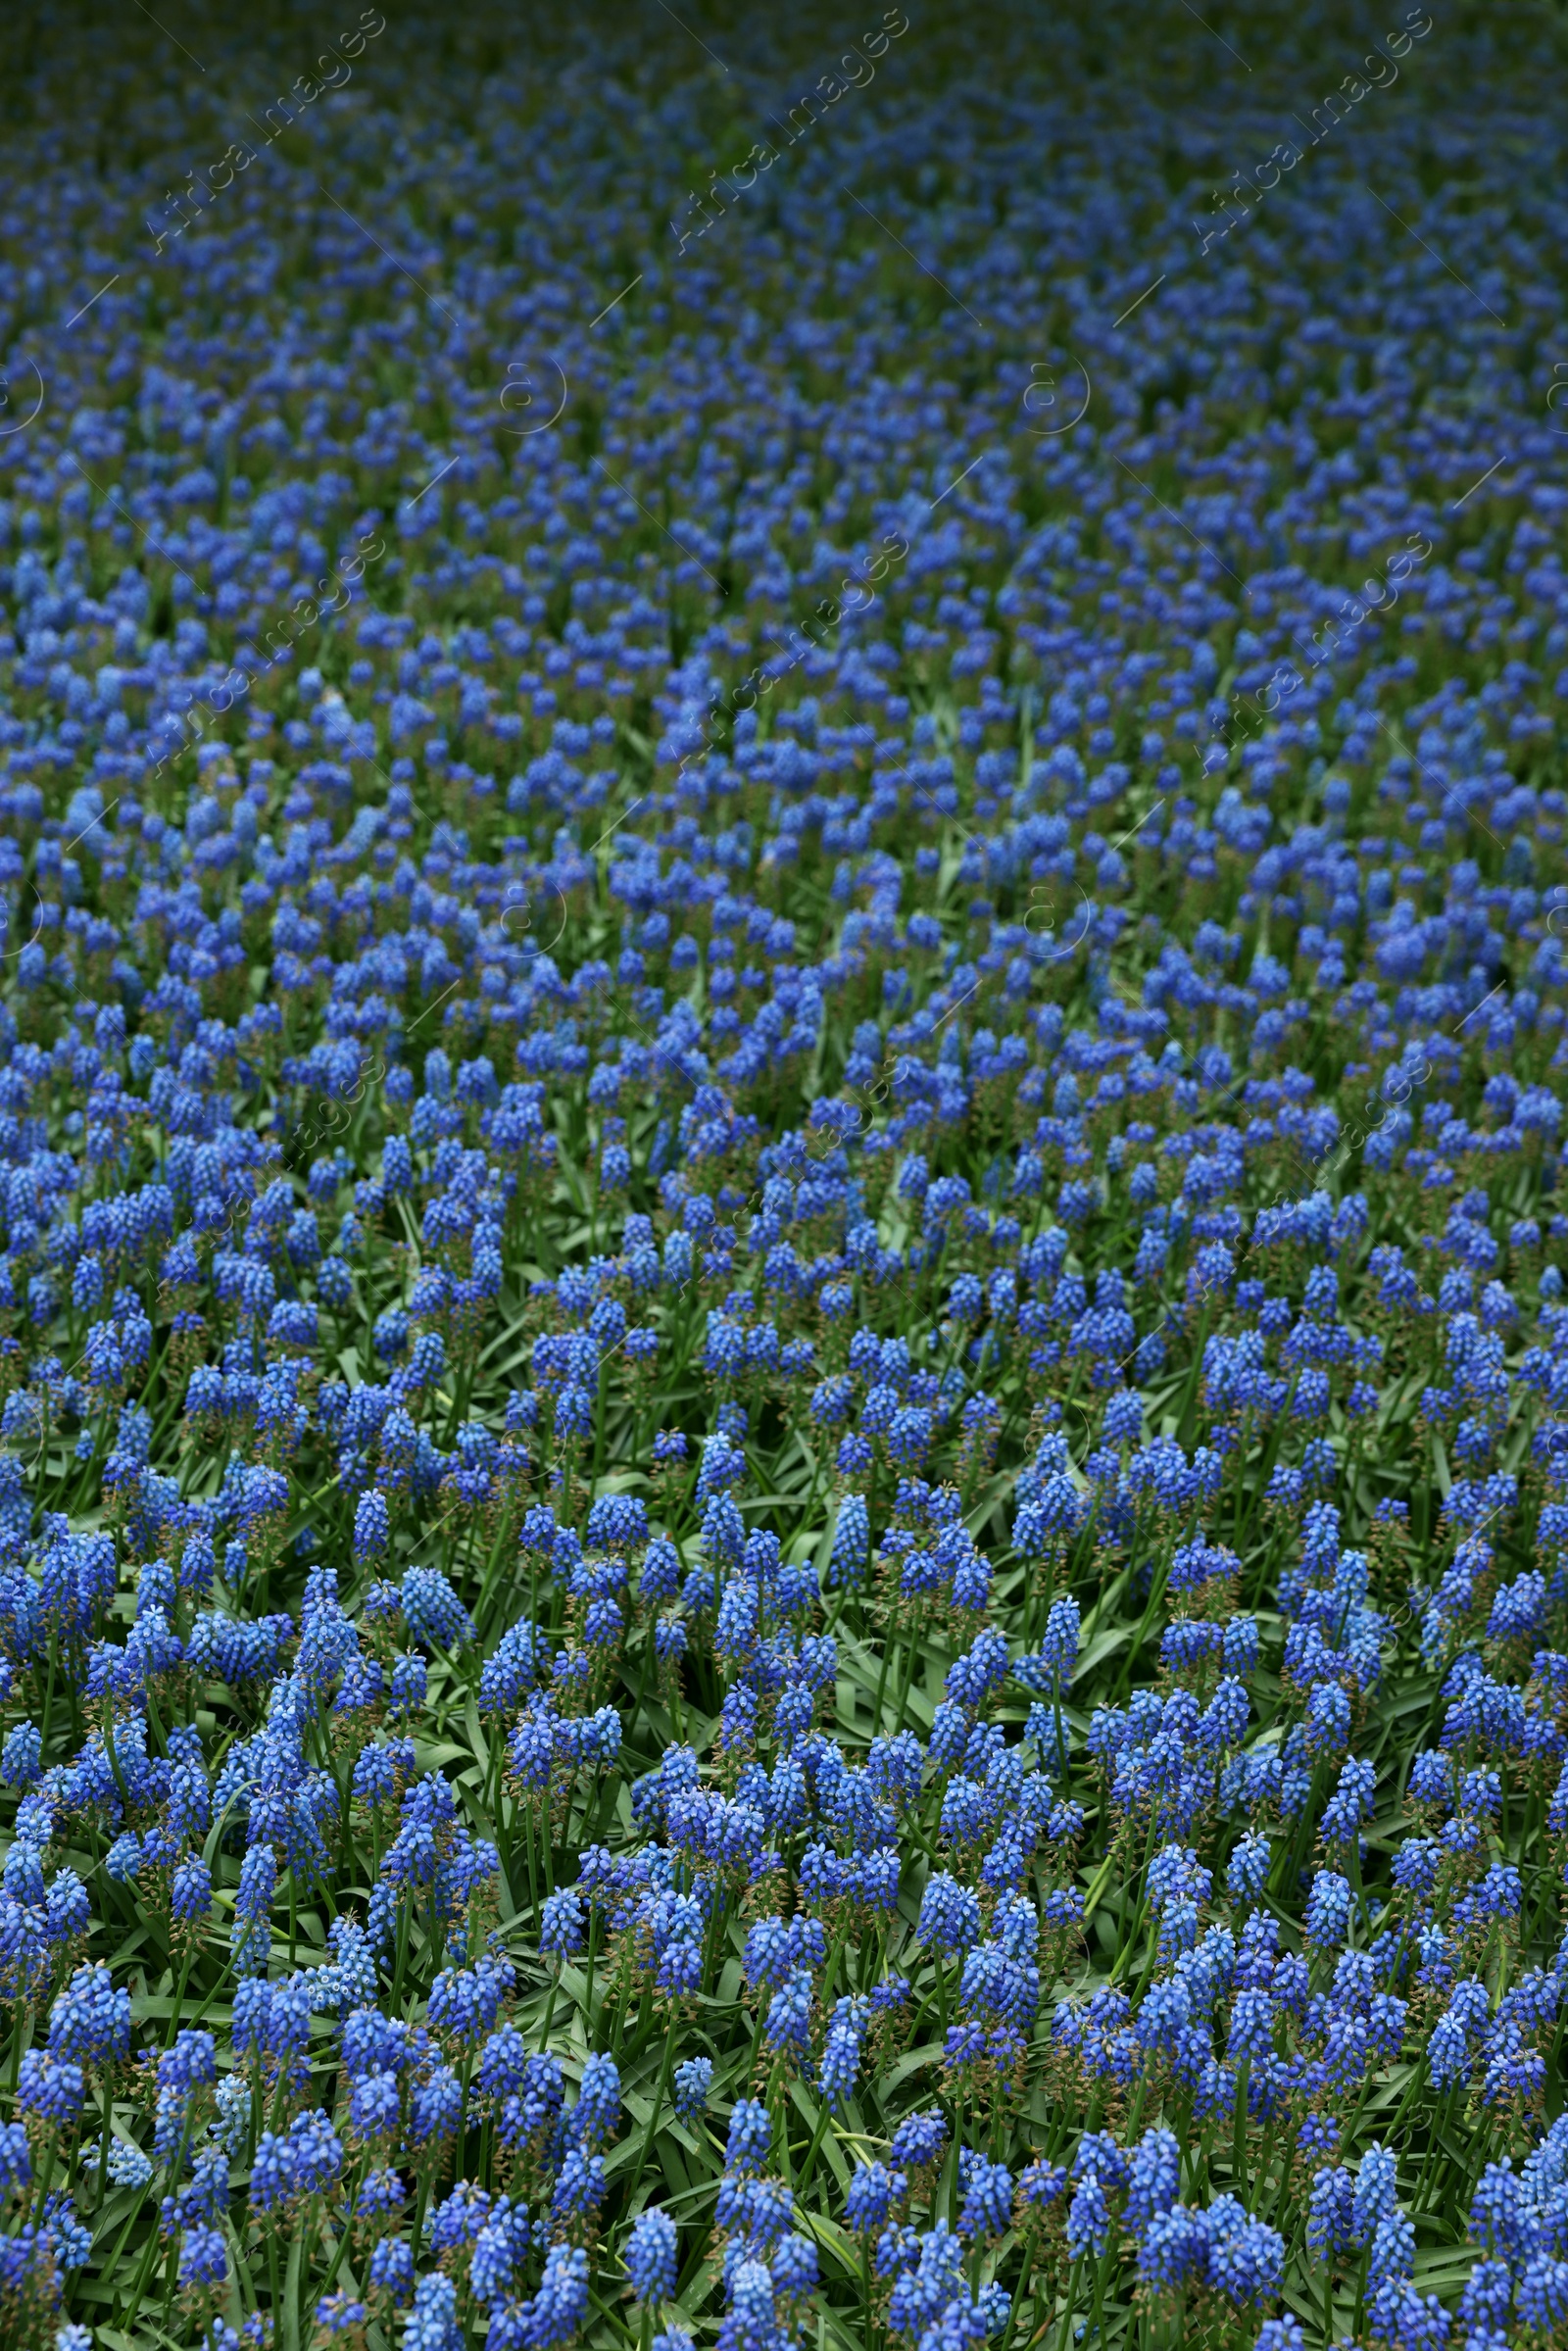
(783, 1191)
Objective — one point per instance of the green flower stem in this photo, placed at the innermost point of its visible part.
(666, 2064)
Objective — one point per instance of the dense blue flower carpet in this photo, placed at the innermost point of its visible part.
(783, 1357)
